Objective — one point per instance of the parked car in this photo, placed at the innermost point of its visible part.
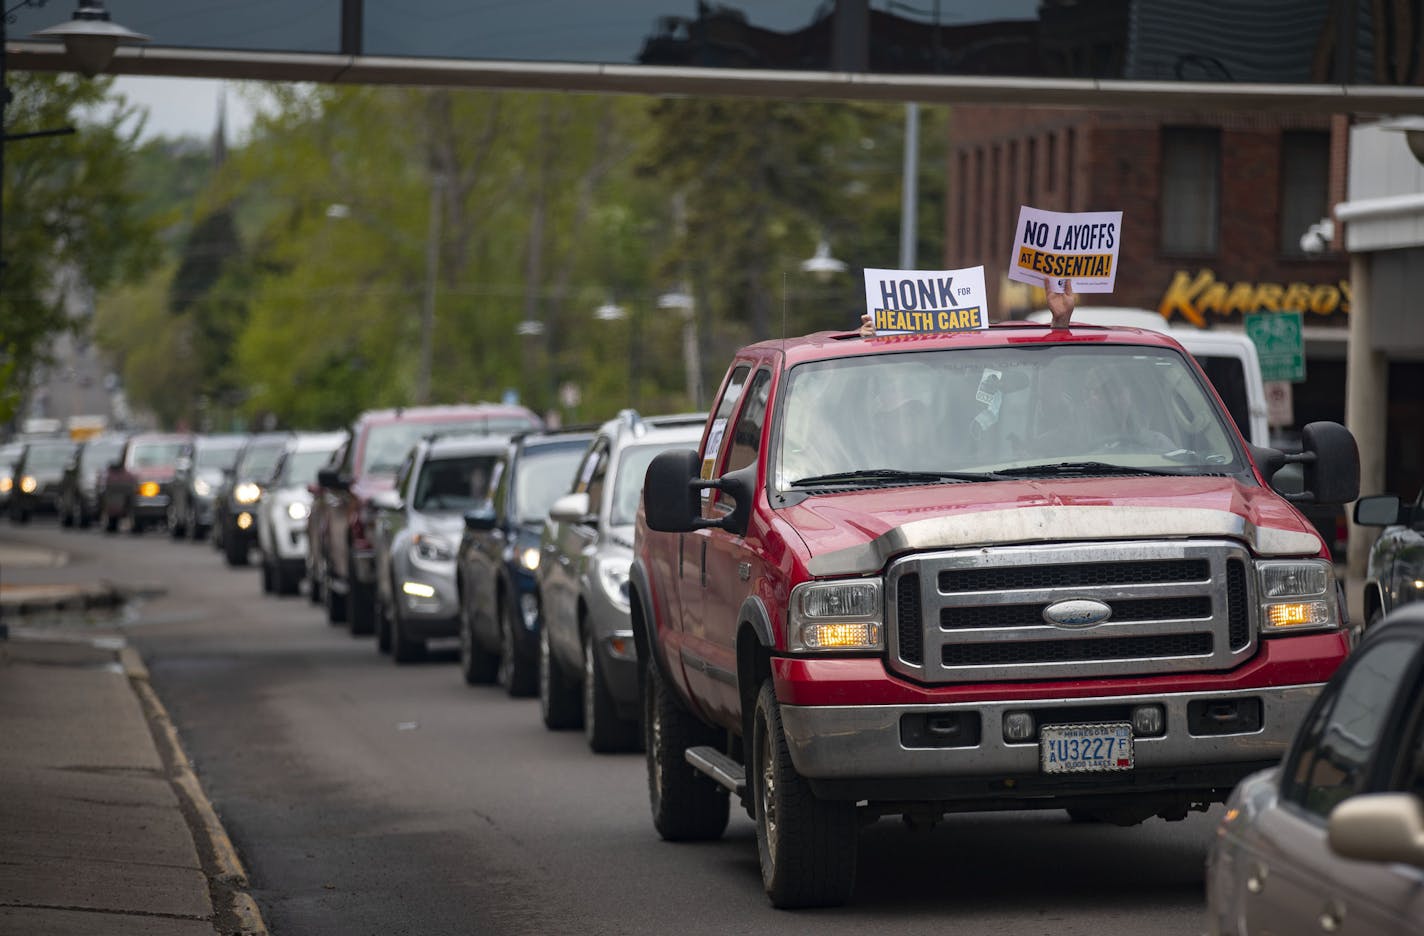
(37, 476)
(81, 489)
(137, 484)
(285, 505)
(1394, 574)
(235, 509)
(1332, 839)
(588, 665)
(499, 555)
(417, 531)
(344, 556)
(200, 476)
(9, 454)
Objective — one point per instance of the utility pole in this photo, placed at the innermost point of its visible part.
(432, 272)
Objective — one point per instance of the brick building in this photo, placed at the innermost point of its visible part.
(1214, 208)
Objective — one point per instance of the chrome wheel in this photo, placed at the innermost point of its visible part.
(767, 801)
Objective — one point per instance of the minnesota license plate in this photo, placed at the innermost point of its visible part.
(1085, 748)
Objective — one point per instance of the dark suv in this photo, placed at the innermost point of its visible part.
(82, 487)
(1395, 573)
(199, 479)
(499, 554)
(38, 473)
(342, 516)
(235, 513)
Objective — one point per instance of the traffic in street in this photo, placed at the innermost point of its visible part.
(370, 798)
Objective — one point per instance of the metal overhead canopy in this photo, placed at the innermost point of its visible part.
(1297, 55)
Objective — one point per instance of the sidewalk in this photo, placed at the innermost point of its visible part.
(103, 826)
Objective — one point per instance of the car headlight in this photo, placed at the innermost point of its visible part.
(529, 558)
(298, 510)
(427, 548)
(1297, 595)
(613, 578)
(202, 488)
(6, 483)
(246, 493)
(28, 484)
(837, 616)
(148, 489)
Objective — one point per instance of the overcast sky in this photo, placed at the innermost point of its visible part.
(187, 106)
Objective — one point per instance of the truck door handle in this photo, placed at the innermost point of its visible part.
(704, 563)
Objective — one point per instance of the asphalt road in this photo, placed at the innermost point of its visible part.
(367, 798)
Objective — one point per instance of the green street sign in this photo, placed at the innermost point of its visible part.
(1280, 343)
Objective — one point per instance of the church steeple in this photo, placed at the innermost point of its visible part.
(220, 132)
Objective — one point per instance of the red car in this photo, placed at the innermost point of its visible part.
(1012, 568)
(343, 554)
(138, 485)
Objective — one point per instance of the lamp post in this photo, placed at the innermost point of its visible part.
(682, 301)
(90, 38)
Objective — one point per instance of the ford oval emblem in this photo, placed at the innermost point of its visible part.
(1077, 612)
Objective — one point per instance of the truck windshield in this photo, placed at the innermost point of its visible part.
(1083, 409)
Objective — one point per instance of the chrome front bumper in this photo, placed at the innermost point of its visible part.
(864, 742)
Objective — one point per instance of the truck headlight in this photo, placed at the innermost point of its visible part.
(28, 484)
(1297, 595)
(837, 616)
(529, 558)
(247, 493)
(298, 510)
(427, 548)
(613, 577)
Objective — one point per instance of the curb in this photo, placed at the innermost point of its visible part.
(227, 866)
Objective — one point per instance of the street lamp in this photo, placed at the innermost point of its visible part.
(682, 301)
(822, 265)
(90, 37)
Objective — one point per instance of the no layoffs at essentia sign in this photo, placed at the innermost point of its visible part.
(1053, 246)
(902, 302)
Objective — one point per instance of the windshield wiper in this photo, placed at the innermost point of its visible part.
(1087, 468)
(894, 475)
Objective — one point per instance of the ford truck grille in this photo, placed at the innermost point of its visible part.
(978, 615)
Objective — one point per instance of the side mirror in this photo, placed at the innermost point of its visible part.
(116, 466)
(672, 489)
(387, 500)
(1325, 471)
(1381, 510)
(1383, 827)
(331, 478)
(183, 464)
(571, 508)
(481, 518)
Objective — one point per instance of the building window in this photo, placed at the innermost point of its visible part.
(1052, 161)
(1191, 189)
(1070, 174)
(1305, 185)
(961, 233)
(1031, 156)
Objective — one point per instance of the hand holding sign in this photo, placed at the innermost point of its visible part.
(1061, 300)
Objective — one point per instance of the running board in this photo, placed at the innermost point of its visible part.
(719, 767)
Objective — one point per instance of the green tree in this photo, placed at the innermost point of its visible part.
(69, 212)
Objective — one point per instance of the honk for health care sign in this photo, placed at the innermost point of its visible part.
(1053, 246)
(904, 302)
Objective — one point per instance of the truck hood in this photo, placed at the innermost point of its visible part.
(857, 532)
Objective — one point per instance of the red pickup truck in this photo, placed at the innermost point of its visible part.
(1015, 568)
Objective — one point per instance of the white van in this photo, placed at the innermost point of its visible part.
(1228, 357)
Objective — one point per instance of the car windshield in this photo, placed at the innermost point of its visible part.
(217, 453)
(155, 454)
(47, 457)
(99, 454)
(628, 487)
(388, 443)
(545, 473)
(258, 461)
(302, 467)
(1012, 411)
(453, 483)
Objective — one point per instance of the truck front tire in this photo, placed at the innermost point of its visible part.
(807, 845)
(687, 807)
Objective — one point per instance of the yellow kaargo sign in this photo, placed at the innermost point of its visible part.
(1196, 297)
